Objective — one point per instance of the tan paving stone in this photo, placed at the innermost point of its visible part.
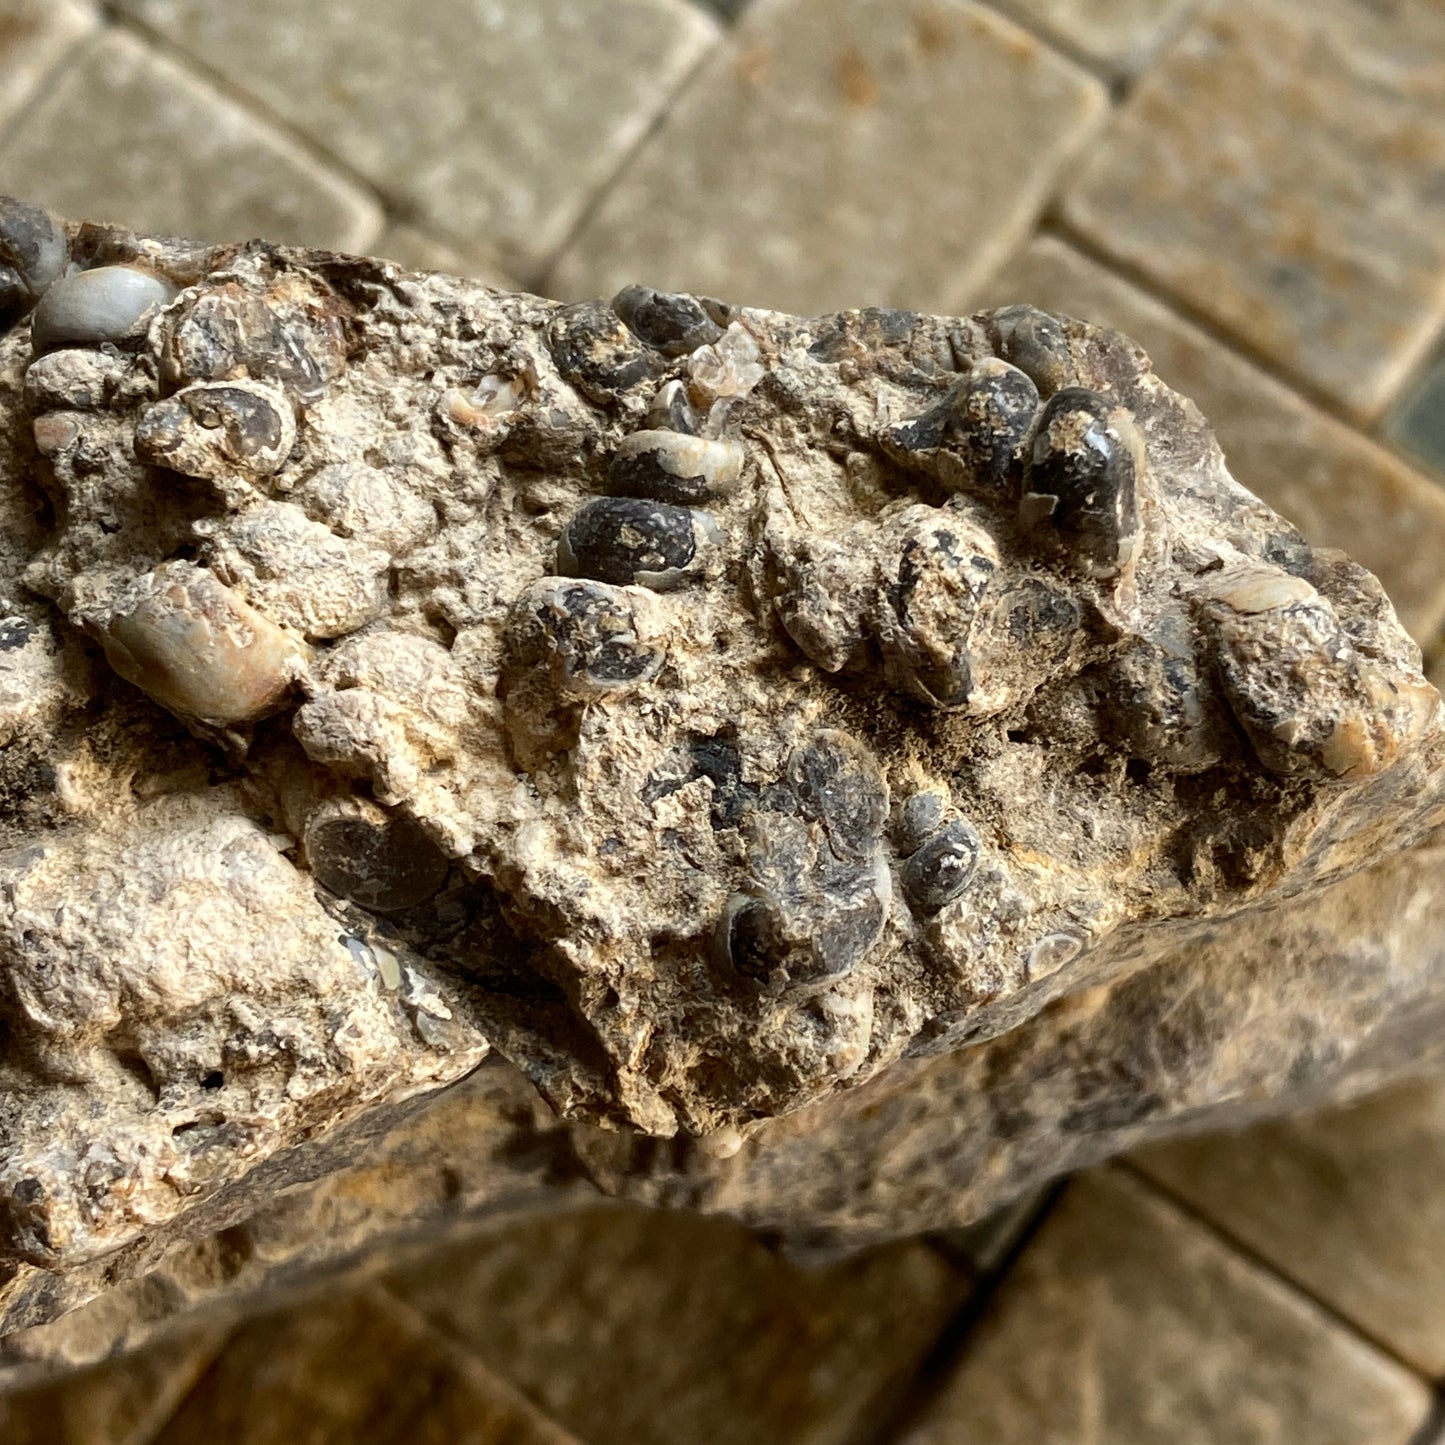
(1281, 171)
(1125, 1323)
(633, 1328)
(34, 36)
(1341, 489)
(1119, 35)
(843, 153)
(497, 122)
(126, 135)
(348, 1370)
(123, 1403)
(1349, 1204)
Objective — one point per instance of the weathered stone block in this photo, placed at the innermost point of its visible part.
(193, 162)
(649, 1329)
(1347, 1204)
(352, 1368)
(1279, 172)
(1125, 1321)
(844, 97)
(34, 36)
(496, 124)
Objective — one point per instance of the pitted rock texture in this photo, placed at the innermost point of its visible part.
(704, 708)
(1284, 1007)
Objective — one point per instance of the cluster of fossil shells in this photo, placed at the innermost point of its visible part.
(796, 690)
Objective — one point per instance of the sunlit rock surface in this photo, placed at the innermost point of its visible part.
(836, 746)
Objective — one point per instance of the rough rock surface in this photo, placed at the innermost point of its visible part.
(710, 711)
(1285, 1007)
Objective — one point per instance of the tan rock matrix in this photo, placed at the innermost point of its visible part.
(703, 708)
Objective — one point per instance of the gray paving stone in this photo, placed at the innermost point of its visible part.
(1349, 1204)
(843, 153)
(1341, 489)
(126, 135)
(638, 1328)
(1418, 423)
(34, 36)
(495, 122)
(1125, 1323)
(1121, 36)
(1280, 170)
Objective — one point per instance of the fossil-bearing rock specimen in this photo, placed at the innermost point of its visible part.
(705, 709)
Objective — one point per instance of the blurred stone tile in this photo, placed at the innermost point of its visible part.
(346, 1370)
(123, 1403)
(1418, 423)
(495, 122)
(842, 153)
(637, 1328)
(1339, 488)
(1125, 1323)
(126, 135)
(1283, 171)
(34, 35)
(1121, 36)
(1351, 1204)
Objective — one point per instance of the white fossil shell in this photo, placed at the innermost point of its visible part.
(199, 649)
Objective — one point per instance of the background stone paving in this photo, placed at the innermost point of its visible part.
(1255, 190)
